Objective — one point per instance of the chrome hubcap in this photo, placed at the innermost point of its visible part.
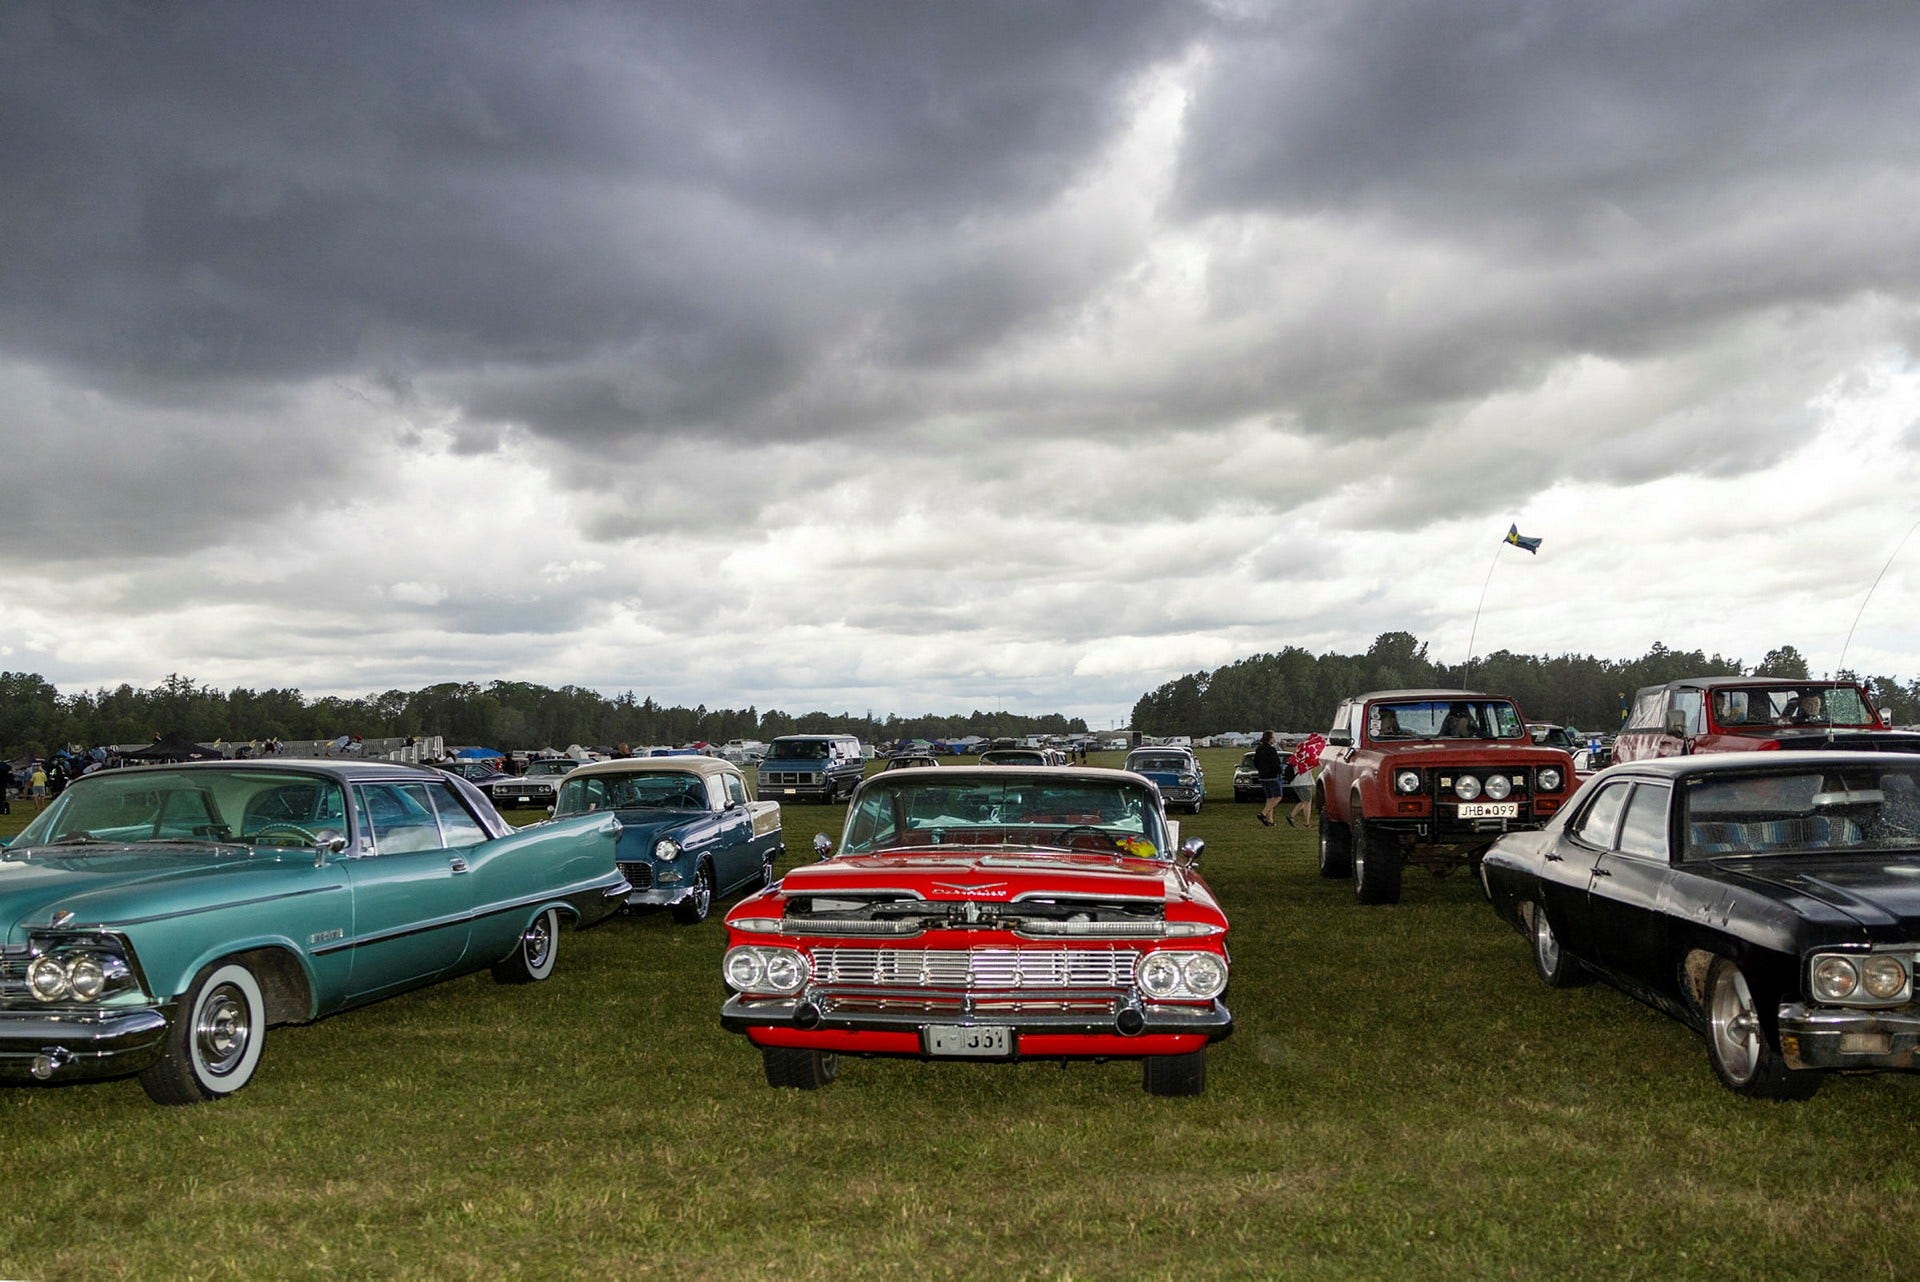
(703, 890)
(1544, 942)
(221, 1033)
(1736, 1025)
(538, 941)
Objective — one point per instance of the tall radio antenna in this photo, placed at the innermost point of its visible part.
(1841, 667)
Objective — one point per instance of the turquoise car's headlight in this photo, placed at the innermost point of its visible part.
(79, 970)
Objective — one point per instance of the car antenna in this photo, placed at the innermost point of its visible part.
(1845, 645)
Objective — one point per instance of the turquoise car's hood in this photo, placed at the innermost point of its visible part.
(100, 885)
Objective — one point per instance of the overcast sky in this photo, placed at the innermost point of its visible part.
(937, 356)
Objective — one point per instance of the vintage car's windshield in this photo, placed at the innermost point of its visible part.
(1014, 757)
(919, 813)
(1814, 703)
(1444, 719)
(1847, 810)
(797, 750)
(550, 766)
(273, 807)
(642, 790)
(1159, 761)
(473, 770)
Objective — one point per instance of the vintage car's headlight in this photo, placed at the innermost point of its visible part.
(1550, 779)
(79, 970)
(765, 970)
(1835, 978)
(1884, 978)
(1189, 779)
(1499, 787)
(1175, 974)
(1159, 974)
(1407, 782)
(1466, 787)
(666, 848)
(1205, 976)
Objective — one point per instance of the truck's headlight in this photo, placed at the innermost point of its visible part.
(1466, 787)
(1407, 782)
(1550, 779)
(1499, 787)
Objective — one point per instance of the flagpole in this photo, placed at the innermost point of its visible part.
(1476, 614)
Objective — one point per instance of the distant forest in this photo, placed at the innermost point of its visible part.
(36, 719)
(1294, 690)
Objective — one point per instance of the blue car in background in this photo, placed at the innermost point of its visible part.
(688, 828)
(1176, 772)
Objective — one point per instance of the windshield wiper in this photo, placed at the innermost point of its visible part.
(77, 839)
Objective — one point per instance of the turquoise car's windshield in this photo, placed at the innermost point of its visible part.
(263, 807)
(1107, 815)
(651, 790)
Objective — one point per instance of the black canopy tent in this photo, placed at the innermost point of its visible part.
(174, 746)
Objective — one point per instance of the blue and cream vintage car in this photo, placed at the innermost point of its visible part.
(159, 920)
(690, 830)
(1175, 771)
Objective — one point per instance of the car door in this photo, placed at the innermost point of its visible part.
(1628, 891)
(1567, 868)
(412, 897)
(736, 830)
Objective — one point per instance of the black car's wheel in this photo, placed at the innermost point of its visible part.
(1336, 849)
(799, 1070)
(1376, 864)
(215, 1042)
(1742, 1056)
(1556, 968)
(693, 910)
(1174, 1074)
(534, 954)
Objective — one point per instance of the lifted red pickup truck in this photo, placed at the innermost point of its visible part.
(1754, 714)
(1429, 777)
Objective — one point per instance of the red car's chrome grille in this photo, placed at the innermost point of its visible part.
(979, 968)
(870, 1002)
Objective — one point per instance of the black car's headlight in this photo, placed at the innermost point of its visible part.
(84, 969)
(1852, 979)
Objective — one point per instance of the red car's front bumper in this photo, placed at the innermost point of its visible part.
(808, 1023)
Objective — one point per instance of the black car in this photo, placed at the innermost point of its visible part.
(1771, 901)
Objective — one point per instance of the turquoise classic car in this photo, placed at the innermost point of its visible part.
(159, 920)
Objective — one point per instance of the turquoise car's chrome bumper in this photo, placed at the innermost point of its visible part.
(71, 1046)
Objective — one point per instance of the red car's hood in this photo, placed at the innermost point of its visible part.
(994, 876)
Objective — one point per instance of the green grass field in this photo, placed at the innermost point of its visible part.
(1402, 1098)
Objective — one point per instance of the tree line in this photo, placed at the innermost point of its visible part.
(36, 719)
(1295, 690)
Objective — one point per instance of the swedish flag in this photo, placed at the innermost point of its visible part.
(1520, 540)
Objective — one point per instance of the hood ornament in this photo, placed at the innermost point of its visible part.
(60, 917)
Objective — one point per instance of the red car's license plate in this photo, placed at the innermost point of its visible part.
(972, 1043)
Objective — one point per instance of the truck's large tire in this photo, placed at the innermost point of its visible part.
(1376, 864)
(1336, 849)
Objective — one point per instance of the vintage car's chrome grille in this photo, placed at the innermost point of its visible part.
(980, 968)
(639, 876)
(789, 776)
(931, 1003)
(13, 974)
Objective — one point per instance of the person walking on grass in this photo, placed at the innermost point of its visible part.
(1304, 766)
(1267, 764)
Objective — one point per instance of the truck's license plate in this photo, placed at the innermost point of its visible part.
(983, 1043)
(1489, 810)
(791, 791)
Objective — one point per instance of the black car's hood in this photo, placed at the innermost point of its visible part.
(1804, 737)
(1881, 892)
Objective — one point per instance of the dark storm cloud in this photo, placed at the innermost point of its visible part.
(207, 191)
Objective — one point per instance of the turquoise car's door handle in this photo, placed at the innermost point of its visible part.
(457, 863)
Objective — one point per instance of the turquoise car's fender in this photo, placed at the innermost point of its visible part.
(511, 889)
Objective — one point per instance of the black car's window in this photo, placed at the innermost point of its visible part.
(1644, 830)
(401, 817)
(458, 826)
(1596, 826)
